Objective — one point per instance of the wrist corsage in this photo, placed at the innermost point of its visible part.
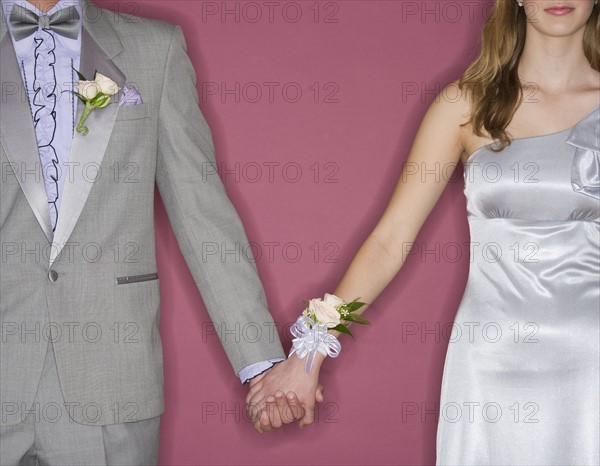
(311, 328)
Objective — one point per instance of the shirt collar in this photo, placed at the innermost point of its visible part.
(71, 46)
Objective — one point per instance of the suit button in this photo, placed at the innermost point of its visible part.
(52, 275)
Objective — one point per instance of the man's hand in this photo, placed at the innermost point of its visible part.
(284, 394)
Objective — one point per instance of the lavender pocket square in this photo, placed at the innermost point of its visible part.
(130, 96)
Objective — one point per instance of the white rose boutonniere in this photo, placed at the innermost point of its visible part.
(94, 94)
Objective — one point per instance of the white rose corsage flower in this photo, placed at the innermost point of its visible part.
(94, 94)
(311, 328)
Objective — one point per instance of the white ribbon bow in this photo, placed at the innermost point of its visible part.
(311, 337)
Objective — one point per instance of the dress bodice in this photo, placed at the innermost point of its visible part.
(554, 177)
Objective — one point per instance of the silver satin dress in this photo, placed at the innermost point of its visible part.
(521, 377)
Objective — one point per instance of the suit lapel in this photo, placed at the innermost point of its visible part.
(17, 133)
(99, 44)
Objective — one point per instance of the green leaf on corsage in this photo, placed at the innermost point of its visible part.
(354, 305)
(356, 319)
(343, 329)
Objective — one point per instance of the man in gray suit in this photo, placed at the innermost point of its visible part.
(81, 376)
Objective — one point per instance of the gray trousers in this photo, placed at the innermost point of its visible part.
(48, 436)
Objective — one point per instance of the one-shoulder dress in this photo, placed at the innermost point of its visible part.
(521, 376)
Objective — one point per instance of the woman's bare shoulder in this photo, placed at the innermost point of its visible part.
(440, 136)
(453, 102)
(451, 110)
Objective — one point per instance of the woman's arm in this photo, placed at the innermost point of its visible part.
(436, 151)
(438, 146)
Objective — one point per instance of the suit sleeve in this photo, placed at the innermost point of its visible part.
(206, 224)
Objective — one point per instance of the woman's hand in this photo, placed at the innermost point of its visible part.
(285, 394)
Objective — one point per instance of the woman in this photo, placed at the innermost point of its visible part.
(522, 388)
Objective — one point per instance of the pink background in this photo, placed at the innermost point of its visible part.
(378, 65)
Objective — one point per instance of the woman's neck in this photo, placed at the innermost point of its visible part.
(553, 63)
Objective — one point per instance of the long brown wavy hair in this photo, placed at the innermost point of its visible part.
(492, 80)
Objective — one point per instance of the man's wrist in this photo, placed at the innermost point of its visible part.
(254, 370)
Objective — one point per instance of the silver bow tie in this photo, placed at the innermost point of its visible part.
(25, 22)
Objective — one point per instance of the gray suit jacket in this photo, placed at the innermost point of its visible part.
(69, 286)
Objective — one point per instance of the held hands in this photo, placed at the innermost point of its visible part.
(284, 394)
(288, 391)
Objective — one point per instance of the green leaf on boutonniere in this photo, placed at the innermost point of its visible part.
(356, 318)
(81, 77)
(343, 329)
(101, 100)
(80, 96)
